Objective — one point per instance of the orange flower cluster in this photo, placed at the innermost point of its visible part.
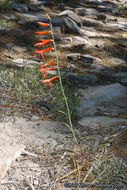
(41, 53)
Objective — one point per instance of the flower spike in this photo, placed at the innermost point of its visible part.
(48, 81)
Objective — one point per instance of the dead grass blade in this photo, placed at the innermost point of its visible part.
(44, 117)
(71, 172)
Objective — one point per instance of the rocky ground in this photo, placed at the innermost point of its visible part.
(37, 150)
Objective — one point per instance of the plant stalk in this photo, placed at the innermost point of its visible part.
(61, 85)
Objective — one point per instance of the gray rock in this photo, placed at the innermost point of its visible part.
(92, 13)
(22, 8)
(102, 124)
(99, 44)
(83, 58)
(120, 76)
(71, 15)
(106, 9)
(73, 56)
(10, 16)
(116, 13)
(47, 3)
(9, 45)
(64, 188)
(80, 80)
(22, 21)
(76, 41)
(116, 62)
(9, 55)
(109, 98)
(25, 62)
(12, 31)
(34, 17)
(91, 32)
(122, 43)
(95, 2)
(86, 11)
(111, 27)
(101, 17)
(89, 22)
(15, 49)
(89, 59)
(110, 3)
(18, 49)
(124, 81)
(56, 21)
(95, 68)
(72, 25)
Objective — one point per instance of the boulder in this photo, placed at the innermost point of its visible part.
(72, 25)
(105, 9)
(91, 32)
(87, 12)
(83, 58)
(80, 80)
(89, 59)
(110, 3)
(89, 22)
(24, 62)
(106, 98)
(102, 125)
(22, 8)
(76, 41)
(95, 2)
(92, 13)
(73, 56)
(72, 15)
(121, 77)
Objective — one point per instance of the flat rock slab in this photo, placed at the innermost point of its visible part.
(25, 62)
(22, 8)
(80, 80)
(14, 135)
(102, 124)
(71, 15)
(90, 32)
(106, 98)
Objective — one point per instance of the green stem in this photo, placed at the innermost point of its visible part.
(61, 85)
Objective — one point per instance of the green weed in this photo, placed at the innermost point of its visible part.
(5, 5)
(3, 22)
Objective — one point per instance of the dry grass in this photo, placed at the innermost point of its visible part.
(85, 165)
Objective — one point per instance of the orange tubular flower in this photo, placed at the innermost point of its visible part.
(48, 81)
(47, 16)
(43, 24)
(44, 41)
(43, 50)
(42, 32)
(47, 69)
(47, 63)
